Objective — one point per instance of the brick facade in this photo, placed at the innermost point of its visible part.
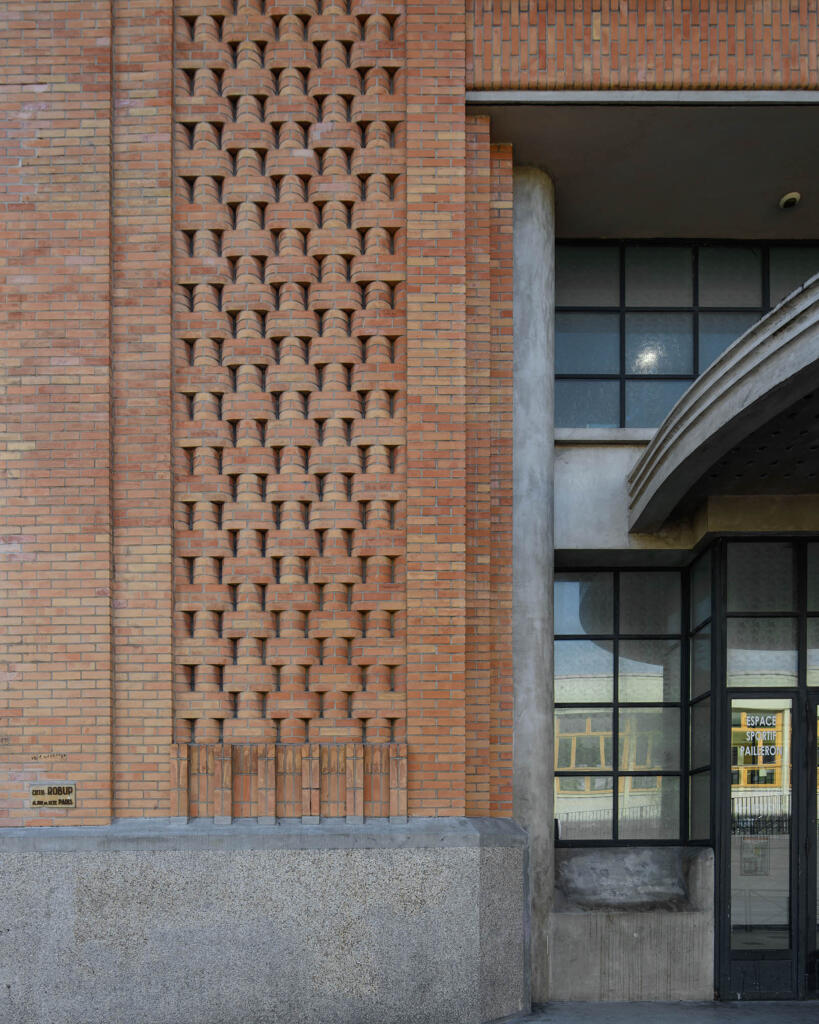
(613, 44)
(257, 550)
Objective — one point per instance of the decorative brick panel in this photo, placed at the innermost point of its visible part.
(290, 382)
(673, 44)
(305, 781)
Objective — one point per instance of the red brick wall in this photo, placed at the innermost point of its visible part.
(674, 44)
(55, 390)
(141, 356)
(500, 541)
(436, 409)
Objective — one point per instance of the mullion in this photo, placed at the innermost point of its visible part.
(622, 321)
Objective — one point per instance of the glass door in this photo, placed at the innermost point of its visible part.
(761, 846)
(767, 770)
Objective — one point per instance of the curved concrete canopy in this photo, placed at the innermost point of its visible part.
(773, 366)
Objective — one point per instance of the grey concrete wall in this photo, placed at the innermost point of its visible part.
(591, 499)
(250, 924)
(533, 543)
(633, 924)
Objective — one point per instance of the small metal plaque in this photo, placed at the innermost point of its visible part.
(53, 794)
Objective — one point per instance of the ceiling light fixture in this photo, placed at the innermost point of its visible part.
(789, 200)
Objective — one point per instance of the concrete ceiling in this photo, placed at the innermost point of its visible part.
(673, 171)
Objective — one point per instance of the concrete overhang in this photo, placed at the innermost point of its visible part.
(654, 164)
(761, 388)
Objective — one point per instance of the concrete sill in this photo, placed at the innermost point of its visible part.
(604, 435)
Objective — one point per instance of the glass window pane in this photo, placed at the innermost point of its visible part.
(701, 662)
(649, 671)
(659, 275)
(760, 824)
(730, 275)
(649, 739)
(584, 671)
(701, 590)
(584, 806)
(649, 402)
(587, 403)
(791, 266)
(587, 343)
(813, 652)
(701, 734)
(648, 807)
(659, 343)
(587, 275)
(761, 652)
(584, 603)
(649, 602)
(699, 819)
(813, 577)
(590, 734)
(761, 577)
(718, 331)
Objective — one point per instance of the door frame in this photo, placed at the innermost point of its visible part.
(803, 956)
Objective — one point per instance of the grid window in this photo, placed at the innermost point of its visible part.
(636, 322)
(618, 705)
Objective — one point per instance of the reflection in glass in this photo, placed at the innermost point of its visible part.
(701, 590)
(659, 343)
(761, 577)
(648, 807)
(649, 602)
(760, 823)
(587, 403)
(584, 603)
(648, 402)
(584, 671)
(700, 744)
(761, 652)
(701, 662)
(584, 806)
(582, 739)
(649, 739)
(659, 275)
(718, 331)
(730, 275)
(699, 810)
(813, 652)
(587, 275)
(649, 671)
(587, 343)
(791, 266)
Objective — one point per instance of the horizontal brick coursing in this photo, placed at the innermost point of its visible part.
(55, 513)
(668, 44)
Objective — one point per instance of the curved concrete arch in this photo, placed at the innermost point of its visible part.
(773, 365)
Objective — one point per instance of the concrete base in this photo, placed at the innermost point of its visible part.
(633, 924)
(147, 923)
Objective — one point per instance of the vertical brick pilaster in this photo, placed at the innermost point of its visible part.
(141, 333)
(436, 409)
(502, 399)
(478, 466)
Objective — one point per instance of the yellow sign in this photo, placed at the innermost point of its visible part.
(53, 794)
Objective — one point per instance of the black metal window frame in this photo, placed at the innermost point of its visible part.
(616, 773)
(622, 309)
(804, 702)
